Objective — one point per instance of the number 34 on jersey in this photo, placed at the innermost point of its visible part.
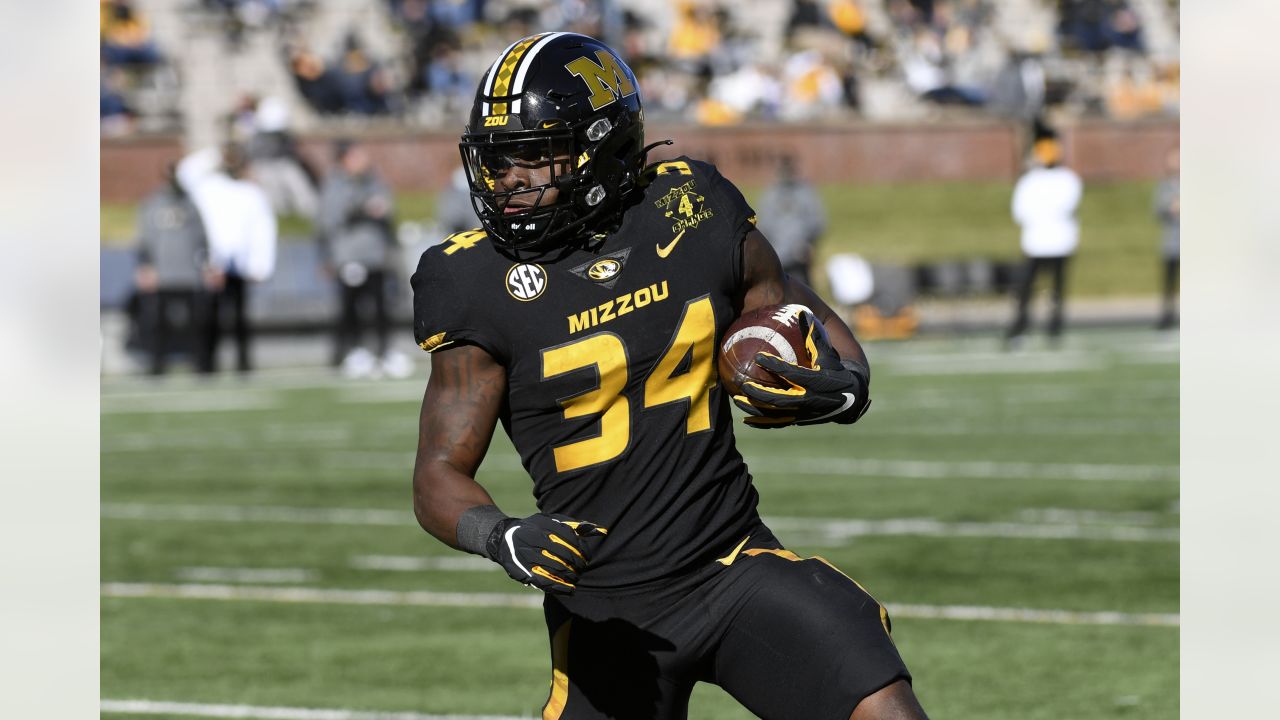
(605, 351)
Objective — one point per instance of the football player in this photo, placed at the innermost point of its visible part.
(585, 316)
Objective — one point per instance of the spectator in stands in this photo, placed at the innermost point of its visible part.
(171, 274)
(805, 15)
(1168, 209)
(1124, 29)
(446, 79)
(356, 245)
(125, 35)
(793, 218)
(425, 37)
(276, 164)
(694, 37)
(241, 231)
(114, 115)
(812, 87)
(316, 82)
(362, 84)
(847, 17)
(1099, 25)
(1044, 205)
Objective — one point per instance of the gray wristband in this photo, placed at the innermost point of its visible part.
(476, 525)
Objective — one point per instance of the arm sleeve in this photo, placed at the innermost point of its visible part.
(443, 314)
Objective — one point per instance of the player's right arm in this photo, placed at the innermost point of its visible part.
(459, 413)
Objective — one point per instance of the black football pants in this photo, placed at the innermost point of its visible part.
(787, 637)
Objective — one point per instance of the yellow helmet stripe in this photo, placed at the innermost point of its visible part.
(507, 70)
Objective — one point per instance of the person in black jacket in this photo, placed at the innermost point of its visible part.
(171, 273)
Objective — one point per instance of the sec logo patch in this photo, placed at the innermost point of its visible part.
(604, 269)
(526, 281)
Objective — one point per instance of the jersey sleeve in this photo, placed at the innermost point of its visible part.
(444, 314)
(739, 217)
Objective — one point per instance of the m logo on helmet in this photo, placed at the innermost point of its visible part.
(607, 80)
(526, 281)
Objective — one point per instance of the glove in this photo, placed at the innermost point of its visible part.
(545, 551)
(833, 390)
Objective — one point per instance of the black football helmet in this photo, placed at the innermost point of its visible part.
(558, 96)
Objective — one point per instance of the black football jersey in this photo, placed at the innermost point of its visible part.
(613, 400)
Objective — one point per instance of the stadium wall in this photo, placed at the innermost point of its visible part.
(1099, 150)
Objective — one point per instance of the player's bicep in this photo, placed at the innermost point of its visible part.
(763, 282)
(460, 408)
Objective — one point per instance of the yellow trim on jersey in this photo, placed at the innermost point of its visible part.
(787, 554)
(507, 72)
(559, 674)
(784, 554)
(434, 342)
(728, 559)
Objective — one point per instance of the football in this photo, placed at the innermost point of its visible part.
(773, 329)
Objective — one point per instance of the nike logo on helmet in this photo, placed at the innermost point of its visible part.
(665, 251)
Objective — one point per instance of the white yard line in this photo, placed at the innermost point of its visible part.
(804, 531)
(423, 563)
(533, 599)
(801, 530)
(328, 596)
(962, 469)
(259, 712)
(245, 575)
(356, 460)
(819, 465)
(258, 514)
(991, 364)
(192, 402)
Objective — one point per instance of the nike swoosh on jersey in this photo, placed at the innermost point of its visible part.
(665, 251)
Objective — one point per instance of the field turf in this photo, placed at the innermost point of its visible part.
(1018, 514)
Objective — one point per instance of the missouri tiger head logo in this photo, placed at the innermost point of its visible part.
(604, 269)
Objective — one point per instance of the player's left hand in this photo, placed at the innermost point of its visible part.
(545, 551)
(833, 390)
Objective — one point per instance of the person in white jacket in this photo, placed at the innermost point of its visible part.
(1044, 205)
(241, 231)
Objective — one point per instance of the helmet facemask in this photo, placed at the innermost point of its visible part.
(582, 164)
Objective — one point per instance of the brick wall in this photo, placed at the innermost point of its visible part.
(747, 155)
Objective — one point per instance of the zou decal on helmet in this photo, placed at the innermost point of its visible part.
(564, 109)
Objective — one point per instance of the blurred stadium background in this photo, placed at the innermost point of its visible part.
(1018, 512)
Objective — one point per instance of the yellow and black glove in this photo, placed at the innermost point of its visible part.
(833, 390)
(545, 551)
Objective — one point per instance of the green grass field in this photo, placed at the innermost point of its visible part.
(913, 222)
(1018, 514)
